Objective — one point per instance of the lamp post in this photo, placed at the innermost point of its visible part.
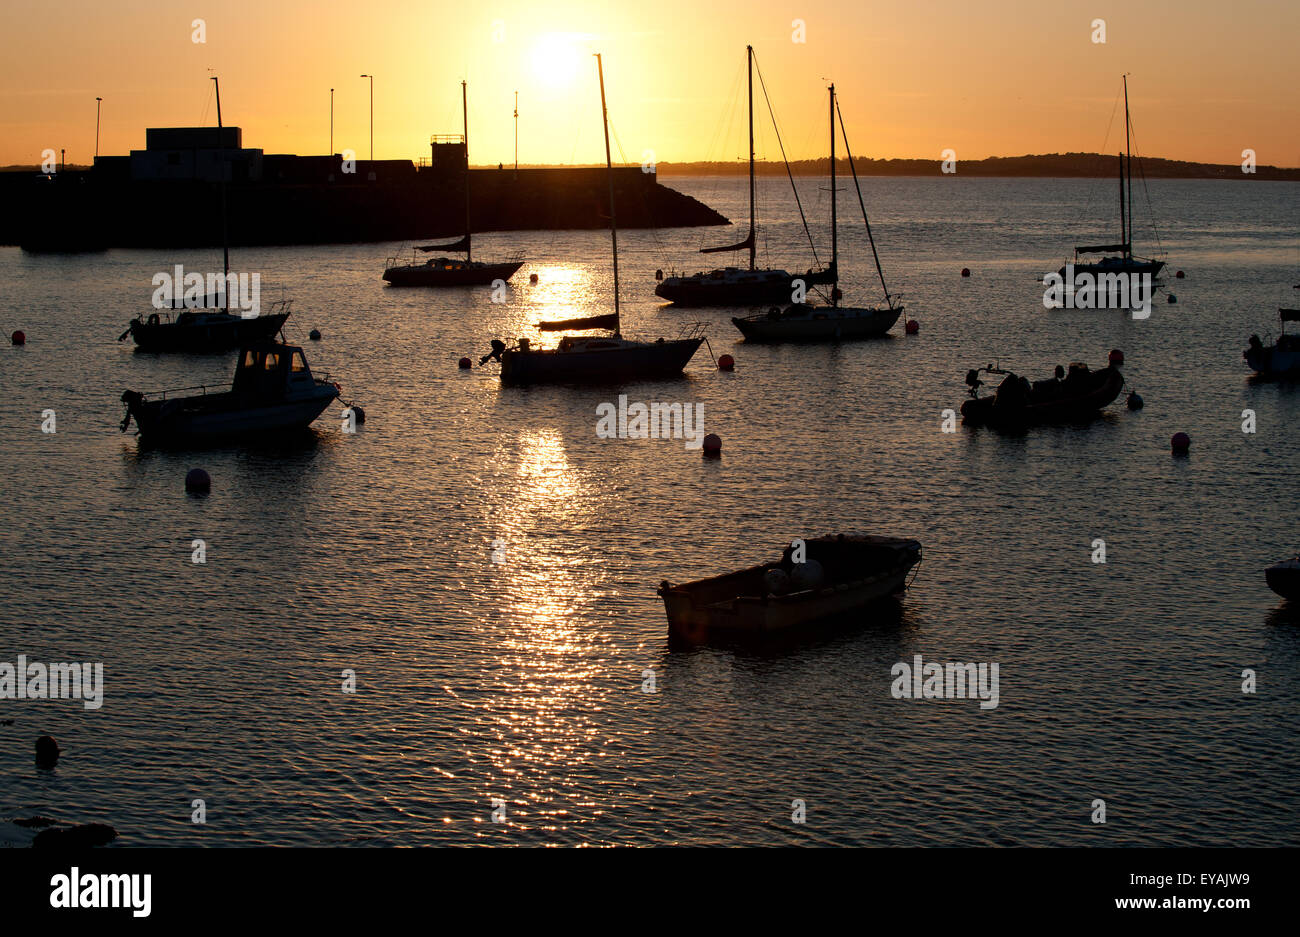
(331, 121)
(372, 116)
(97, 106)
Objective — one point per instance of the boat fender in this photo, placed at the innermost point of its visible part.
(153, 318)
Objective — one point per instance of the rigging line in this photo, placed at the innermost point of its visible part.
(659, 249)
(844, 133)
(1147, 194)
(763, 84)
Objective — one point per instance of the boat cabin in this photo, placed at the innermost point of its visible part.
(270, 370)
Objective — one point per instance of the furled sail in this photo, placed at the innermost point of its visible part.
(742, 246)
(459, 247)
(1289, 315)
(1104, 249)
(609, 321)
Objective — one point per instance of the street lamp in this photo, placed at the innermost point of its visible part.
(97, 105)
(331, 121)
(372, 116)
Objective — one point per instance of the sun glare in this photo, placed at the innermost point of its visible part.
(556, 59)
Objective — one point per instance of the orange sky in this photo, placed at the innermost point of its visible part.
(994, 78)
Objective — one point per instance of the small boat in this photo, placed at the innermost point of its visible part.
(1280, 359)
(446, 271)
(1076, 394)
(1122, 260)
(805, 322)
(273, 391)
(733, 286)
(1284, 578)
(840, 574)
(204, 329)
(596, 358)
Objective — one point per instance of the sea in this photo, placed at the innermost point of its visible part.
(443, 628)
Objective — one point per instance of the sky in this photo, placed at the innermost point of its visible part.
(1207, 80)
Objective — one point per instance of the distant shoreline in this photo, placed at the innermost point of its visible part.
(1047, 166)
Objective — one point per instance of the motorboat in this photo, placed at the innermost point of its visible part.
(204, 329)
(839, 574)
(1075, 393)
(273, 391)
(1280, 359)
(1284, 578)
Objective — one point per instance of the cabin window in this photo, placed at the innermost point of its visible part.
(272, 361)
(250, 359)
(296, 363)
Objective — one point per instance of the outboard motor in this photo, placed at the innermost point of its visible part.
(973, 381)
(498, 347)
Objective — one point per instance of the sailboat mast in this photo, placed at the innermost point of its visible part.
(225, 231)
(749, 63)
(609, 171)
(1128, 148)
(464, 107)
(835, 244)
(1123, 228)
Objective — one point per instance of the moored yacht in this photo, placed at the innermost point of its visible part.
(1074, 394)
(595, 358)
(273, 391)
(1282, 358)
(204, 329)
(806, 322)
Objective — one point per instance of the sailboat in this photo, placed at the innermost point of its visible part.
(732, 286)
(1122, 259)
(445, 271)
(206, 328)
(803, 322)
(1283, 357)
(599, 358)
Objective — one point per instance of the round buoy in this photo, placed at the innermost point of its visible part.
(836, 293)
(1178, 275)
(358, 413)
(1172, 298)
(197, 481)
(47, 752)
(726, 363)
(1116, 357)
(912, 327)
(1180, 442)
(712, 446)
(1135, 401)
(659, 274)
(314, 335)
(465, 363)
(532, 278)
(19, 337)
(965, 271)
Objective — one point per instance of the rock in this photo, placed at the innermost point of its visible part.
(76, 837)
(35, 823)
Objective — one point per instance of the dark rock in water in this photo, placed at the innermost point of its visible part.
(47, 752)
(35, 823)
(76, 837)
(6, 722)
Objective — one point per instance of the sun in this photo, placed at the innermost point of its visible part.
(556, 59)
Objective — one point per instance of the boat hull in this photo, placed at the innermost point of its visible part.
(471, 275)
(1124, 267)
(1284, 579)
(167, 336)
(218, 417)
(842, 324)
(1102, 389)
(767, 288)
(662, 359)
(1273, 362)
(736, 607)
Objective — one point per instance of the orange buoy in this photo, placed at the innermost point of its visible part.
(726, 363)
(1178, 275)
(1116, 357)
(1180, 442)
(912, 327)
(712, 446)
(532, 278)
(465, 363)
(19, 337)
(965, 271)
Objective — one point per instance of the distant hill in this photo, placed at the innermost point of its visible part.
(1058, 165)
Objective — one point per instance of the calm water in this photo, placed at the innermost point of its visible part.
(522, 680)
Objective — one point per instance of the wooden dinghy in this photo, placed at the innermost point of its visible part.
(841, 573)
